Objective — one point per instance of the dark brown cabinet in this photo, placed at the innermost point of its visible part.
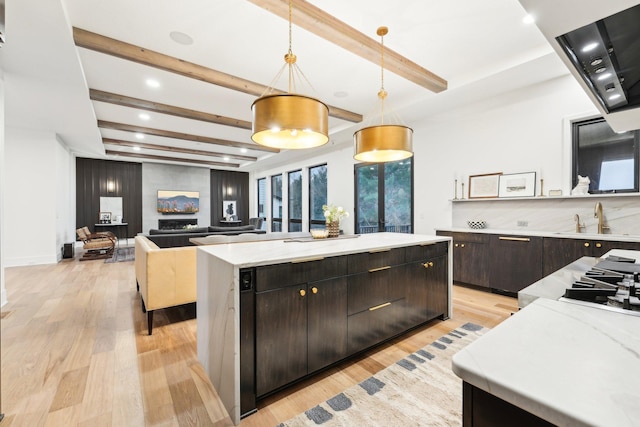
(314, 313)
(470, 258)
(516, 262)
(300, 328)
(559, 252)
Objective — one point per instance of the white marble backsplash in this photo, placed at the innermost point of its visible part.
(555, 214)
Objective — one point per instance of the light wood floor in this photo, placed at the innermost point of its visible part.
(75, 352)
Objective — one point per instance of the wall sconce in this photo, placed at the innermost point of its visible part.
(228, 191)
(111, 186)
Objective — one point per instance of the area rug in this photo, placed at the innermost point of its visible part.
(419, 390)
(122, 254)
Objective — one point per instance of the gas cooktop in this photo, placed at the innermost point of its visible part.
(611, 283)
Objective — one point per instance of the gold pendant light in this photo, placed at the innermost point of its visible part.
(289, 120)
(383, 142)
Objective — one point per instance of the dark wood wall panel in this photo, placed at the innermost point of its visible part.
(229, 185)
(92, 182)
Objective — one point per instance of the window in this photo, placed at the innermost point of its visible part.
(262, 200)
(609, 159)
(317, 195)
(276, 203)
(384, 197)
(295, 200)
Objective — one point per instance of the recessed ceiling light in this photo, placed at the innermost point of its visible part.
(144, 116)
(140, 135)
(225, 158)
(604, 76)
(610, 87)
(614, 96)
(243, 150)
(601, 70)
(528, 19)
(152, 83)
(181, 38)
(589, 47)
(136, 148)
(596, 61)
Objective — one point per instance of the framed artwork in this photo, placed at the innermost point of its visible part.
(229, 210)
(484, 186)
(518, 185)
(105, 218)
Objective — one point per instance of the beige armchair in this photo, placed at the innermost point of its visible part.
(96, 245)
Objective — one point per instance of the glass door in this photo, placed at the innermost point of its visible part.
(384, 197)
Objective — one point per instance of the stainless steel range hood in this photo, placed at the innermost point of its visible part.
(599, 41)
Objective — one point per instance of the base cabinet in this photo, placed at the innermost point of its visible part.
(482, 409)
(311, 315)
(516, 262)
(470, 258)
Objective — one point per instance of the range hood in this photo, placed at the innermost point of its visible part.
(600, 44)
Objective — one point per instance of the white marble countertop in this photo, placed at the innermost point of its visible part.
(252, 254)
(534, 233)
(568, 364)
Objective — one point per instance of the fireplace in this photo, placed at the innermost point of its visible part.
(176, 224)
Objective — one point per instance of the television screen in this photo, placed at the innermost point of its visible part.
(178, 202)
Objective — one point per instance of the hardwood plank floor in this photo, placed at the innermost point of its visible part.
(75, 352)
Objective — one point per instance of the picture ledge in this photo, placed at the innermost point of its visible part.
(504, 199)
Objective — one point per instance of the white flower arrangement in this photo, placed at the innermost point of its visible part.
(334, 213)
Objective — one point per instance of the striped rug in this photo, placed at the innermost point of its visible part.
(419, 390)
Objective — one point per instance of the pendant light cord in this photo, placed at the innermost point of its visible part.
(382, 31)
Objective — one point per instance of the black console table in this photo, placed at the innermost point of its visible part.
(224, 223)
(116, 228)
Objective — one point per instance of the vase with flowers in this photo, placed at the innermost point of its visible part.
(333, 215)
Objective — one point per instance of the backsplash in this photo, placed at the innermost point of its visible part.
(556, 214)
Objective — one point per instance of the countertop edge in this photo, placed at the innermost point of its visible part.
(538, 233)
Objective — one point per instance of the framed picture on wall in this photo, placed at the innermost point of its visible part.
(104, 218)
(484, 186)
(229, 211)
(518, 185)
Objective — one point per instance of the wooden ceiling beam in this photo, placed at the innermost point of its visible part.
(185, 136)
(140, 55)
(156, 107)
(315, 20)
(171, 159)
(122, 143)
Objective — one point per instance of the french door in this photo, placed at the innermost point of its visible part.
(384, 197)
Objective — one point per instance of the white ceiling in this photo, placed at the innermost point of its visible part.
(480, 47)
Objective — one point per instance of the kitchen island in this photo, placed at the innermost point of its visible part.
(555, 362)
(273, 312)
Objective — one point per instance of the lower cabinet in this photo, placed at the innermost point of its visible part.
(516, 262)
(299, 329)
(470, 258)
(341, 306)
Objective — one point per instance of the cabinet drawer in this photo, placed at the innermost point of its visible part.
(358, 263)
(424, 252)
(366, 290)
(470, 237)
(297, 272)
(373, 326)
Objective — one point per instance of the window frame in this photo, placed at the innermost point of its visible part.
(317, 223)
(276, 222)
(290, 219)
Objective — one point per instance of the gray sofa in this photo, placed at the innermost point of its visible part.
(176, 238)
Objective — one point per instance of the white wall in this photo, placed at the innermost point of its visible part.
(3, 289)
(37, 207)
(521, 131)
(170, 177)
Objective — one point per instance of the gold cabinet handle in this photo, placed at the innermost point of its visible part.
(428, 264)
(379, 306)
(462, 245)
(586, 245)
(515, 239)
(456, 245)
(314, 290)
(375, 251)
(598, 245)
(373, 270)
(302, 292)
(299, 261)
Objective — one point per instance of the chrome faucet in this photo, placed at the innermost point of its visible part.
(578, 225)
(597, 213)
